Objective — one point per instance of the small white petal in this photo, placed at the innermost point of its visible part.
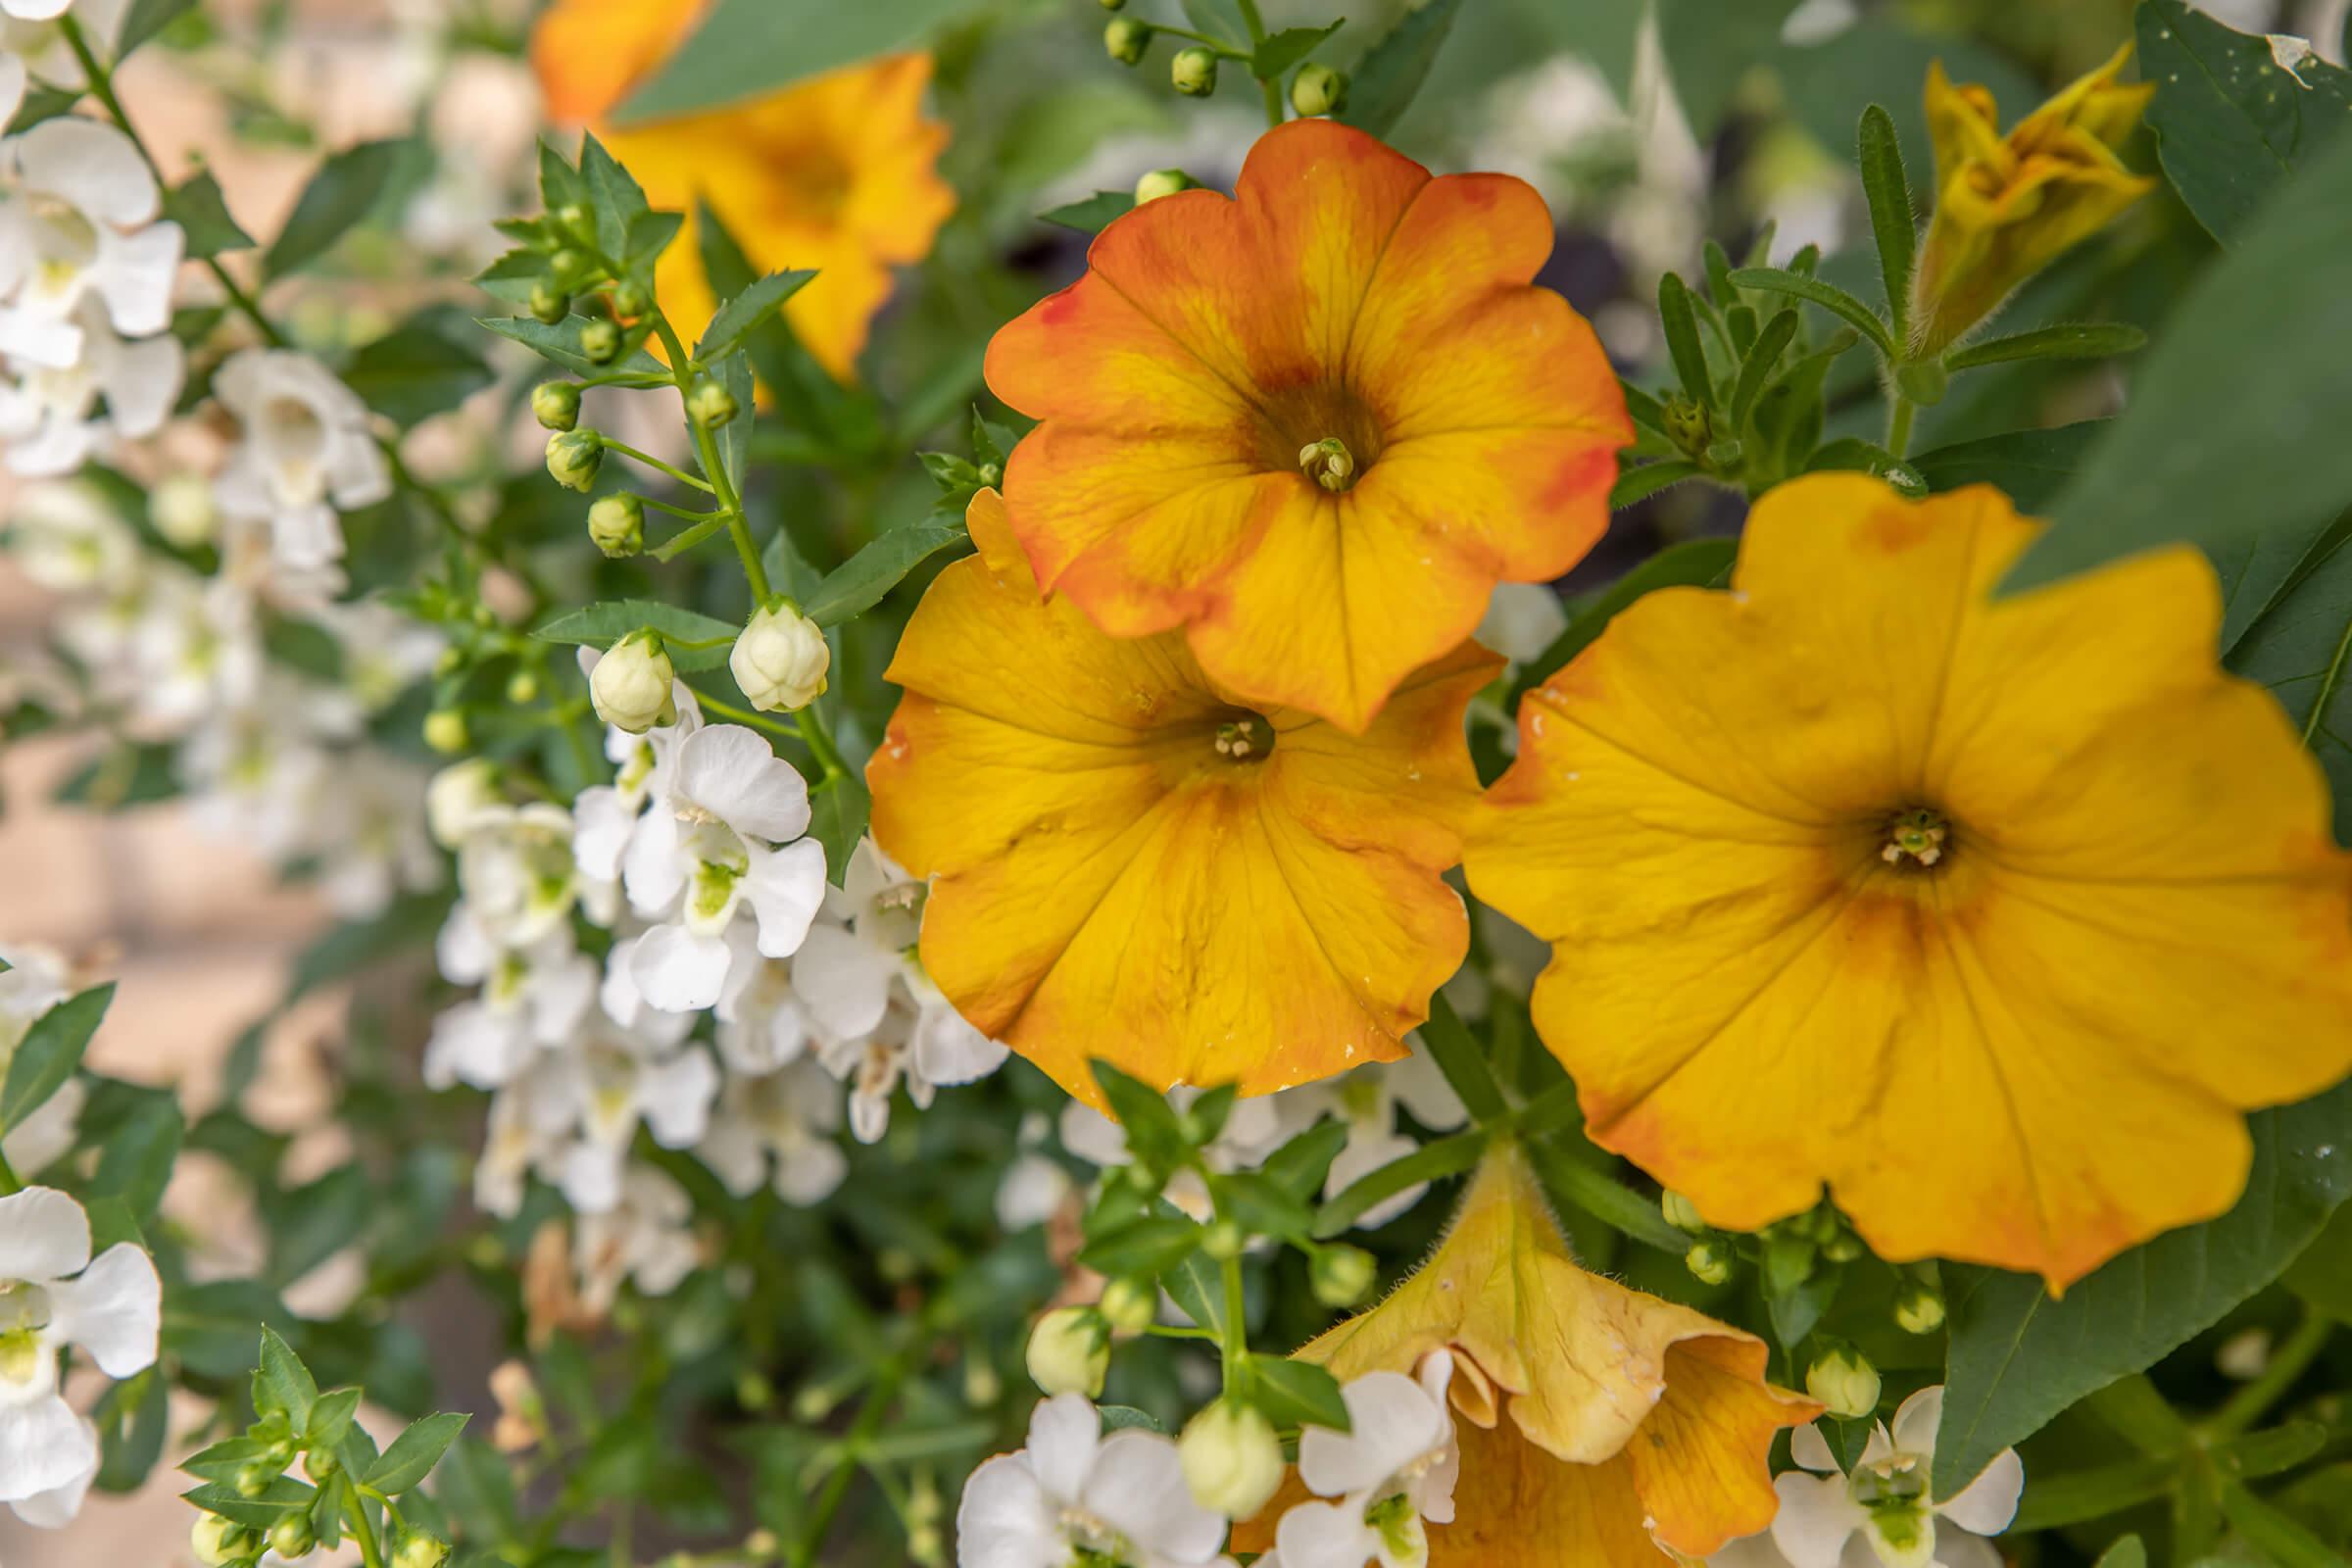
(678, 971)
(1324, 1535)
(733, 774)
(1915, 1421)
(1137, 1485)
(57, 1507)
(1394, 1423)
(1987, 1504)
(675, 1095)
(1005, 1519)
(91, 165)
(1809, 1449)
(43, 1236)
(785, 888)
(1815, 1518)
(1063, 1434)
(44, 1445)
(114, 1310)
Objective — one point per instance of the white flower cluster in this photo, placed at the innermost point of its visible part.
(270, 757)
(694, 861)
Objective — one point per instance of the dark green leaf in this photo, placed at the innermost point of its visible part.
(562, 344)
(1447, 1156)
(1695, 562)
(1883, 59)
(743, 315)
(1151, 1245)
(1093, 215)
(136, 1162)
(620, 201)
(2323, 1275)
(2128, 1552)
(1198, 1291)
(282, 1497)
(1384, 81)
(337, 197)
(838, 809)
(1301, 1164)
(1278, 52)
(1597, 1193)
(2276, 1536)
(1836, 301)
(602, 626)
(2031, 466)
(1261, 1206)
(1641, 483)
(2017, 1357)
(146, 19)
(1153, 1133)
(1298, 1393)
(2174, 464)
(1888, 193)
(2230, 124)
(1711, 46)
(49, 1053)
(331, 1417)
(2301, 648)
(1681, 321)
(414, 1452)
(286, 1382)
(1121, 1417)
(133, 1418)
(1464, 1062)
(2093, 1494)
(415, 371)
(1763, 357)
(750, 48)
(648, 235)
(2092, 340)
(861, 581)
(43, 103)
(208, 1327)
(195, 205)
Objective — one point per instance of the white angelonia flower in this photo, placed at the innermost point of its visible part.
(33, 47)
(1522, 618)
(255, 777)
(777, 1129)
(922, 1042)
(723, 833)
(528, 1130)
(762, 1022)
(618, 1079)
(646, 1237)
(57, 1507)
(53, 1294)
(1395, 1469)
(80, 223)
(384, 652)
(516, 869)
(306, 453)
(1367, 1098)
(1887, 1499)
(1034, 1186)
(372, 840)
(48, 413)
(68, 540)
(455, 798)
(534, 998)
(36, 980)
(1075, 1495)
(195, 655)
(848, 964)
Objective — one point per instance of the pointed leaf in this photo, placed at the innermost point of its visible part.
(49, 1053)
(1384, 81)
(342, 192)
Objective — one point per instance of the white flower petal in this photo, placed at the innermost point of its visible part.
(785, 888)
(1987, 1504)
(133, 276)
(654, 867)
(1007, 1520)
(44, 1445)
(948, 1050)
(733, 774)
(1324, 1535)
(678, 971)
(1065, 1432)
(1393, 1424)
(1809, 1449)
(141, 383)
(1815, 1518)
(809, 1171)
(1915, 1421)
(91, 165)
(114, 1310)
(675, 1097)
(845, 982)
(43, 1236)
(57, 1507)
(1137, 1485)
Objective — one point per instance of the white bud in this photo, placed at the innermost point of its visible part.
(1069, 1351)
(1845, 1382)
(182, 510)
(1232, 1459)
(630, 684)
(780, 660)
(459, 795)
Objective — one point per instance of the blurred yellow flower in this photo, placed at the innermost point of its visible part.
(836, 172)
(2006, 207)
(1992, 915)
(1598, 1424)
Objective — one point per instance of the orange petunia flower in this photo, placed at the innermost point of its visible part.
(836, 172)
(1313, 425)
(1992, 915)
(1598, 1427)
(1129, 860)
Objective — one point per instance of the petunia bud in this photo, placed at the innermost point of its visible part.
(573, 456)
(1707, 1263)
(1163, 182)
(616, 525)
(630, 299)
(1341, 1276)
(1319, 90)
(1069, 1352)
(182, 511)
(292, 1537)
(630, 685)
(1845, 1383)
(445, 731)
(549, 304)
(417, 1550)
(1231, 1459)
(1682, 1214)
(711, 405)
(599, 341)
(555, 404)
(1918, 1309)
(1194, 71)
(1127, 40)
(780, 660)
(1130, 1304)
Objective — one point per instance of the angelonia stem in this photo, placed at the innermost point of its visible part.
(820, 742)
(1268, 89)
(371, 1553)
(706, 451)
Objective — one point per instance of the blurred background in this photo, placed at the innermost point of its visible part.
(1649, 129)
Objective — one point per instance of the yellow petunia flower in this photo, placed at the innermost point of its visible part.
(2006, 207)
(1599, 1425)
(1311, 424)
(1129, 861)
(1992, 915)
(836, 172)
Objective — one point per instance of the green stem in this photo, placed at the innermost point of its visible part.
(688, 514)
(828, 756)
(2290, 1360)
(10, 1181)
(743, 716)
(705, 451)
(1268, 89)
(1898, 426)
(655, 463)
(2328, 683)
(1233, 1340)
(371, 1551)
(837, 1484)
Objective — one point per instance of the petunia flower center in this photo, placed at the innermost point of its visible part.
(1915, 835)
(1245, 738)
(1329, 464)
(1323, 431)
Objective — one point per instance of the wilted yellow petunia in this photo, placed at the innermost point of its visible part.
(1992, 916)
(1598, 1424)
(1311, 424)
(2006, 207)
(1130, 863)
(835, 173)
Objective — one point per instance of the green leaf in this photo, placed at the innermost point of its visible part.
(751, 47)
(1447, 1156)
(1681, 321)
(1384, 81)
(330, 1417)
(1638, 484)
(2015, 1357)
(146, 19)
(1280, 51)
(1883, 59)
(1464, 1062)
(2031, 466)
(1302, 1163)
(282, 1497)
(1763, 357)
(1695, 562)
(2230, 124)
(1137, 1106)
(1121, 1417)
(49, 1053)
(1198, 1291)
(415, 371)
(1836, 301)
(2092, 340)
(1599, 1194)
(2301, 647)
(1261, 1206)
(2175, 464)
(1298, 1393)
(861, 581)
(138, 1156)
(414, 1452)
(2322, 1276)
(2094, 1493)
(1888, 193)
(346, 186)
(604, 624)
(196, 206)
(743, 315)
(648, 235)
(560, 343)
(2129, 1552)
(1151, 1243)
(2276, 1536)
(285, 1381)
(1093, 215)
(838, 811)
(620, 201)
(134, 1418)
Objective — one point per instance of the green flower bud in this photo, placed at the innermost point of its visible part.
(1687, 424)
(548, 303)
(523, 688)
(1163, 182)
(1231, 1459)
(280, 1453)
(292, 1537)
(1225, 1240)
(555, 404)
(599, 341)
(255, 1477)
(1845, 1383)
(1069, 1352)
(573, 218)
(1194, 71)
(1708, 1264)
(1111, 5)
(1319, 90)
(631, 686)
(1842, 1248)
(1918, 1309)
(711, 405)
(630, 299)
(573, 456)
(1131, 1304)
(1682, 1214)
(417, 1550)
(566, 267)
(214, 1541)
(754, 1392)
(321, 1464)
(616, 523)
(445, 732)
(1127, 40)
(1342, 1275)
